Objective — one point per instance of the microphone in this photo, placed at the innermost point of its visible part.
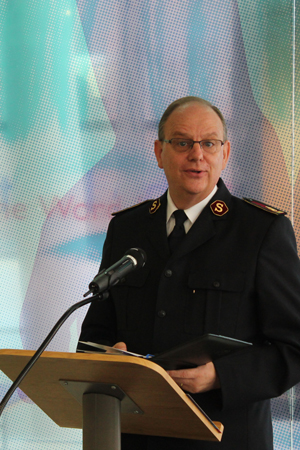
(133, 259)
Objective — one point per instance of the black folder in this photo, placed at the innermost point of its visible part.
(192, 353)
(198, 351)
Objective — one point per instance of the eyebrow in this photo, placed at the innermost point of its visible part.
(184, 135)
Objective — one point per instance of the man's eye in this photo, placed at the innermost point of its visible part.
(183, 143)
(208, 144)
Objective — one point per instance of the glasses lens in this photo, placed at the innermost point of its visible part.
(210, 145)
(182, 145)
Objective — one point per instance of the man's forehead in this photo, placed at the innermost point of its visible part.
(195, 109)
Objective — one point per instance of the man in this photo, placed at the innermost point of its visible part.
(235, 273)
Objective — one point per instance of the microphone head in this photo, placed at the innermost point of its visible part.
(139, 255)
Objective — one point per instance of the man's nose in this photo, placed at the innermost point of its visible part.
(196, 152)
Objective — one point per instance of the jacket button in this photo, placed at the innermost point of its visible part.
(168, 273)
(216, 284)
(162, 313)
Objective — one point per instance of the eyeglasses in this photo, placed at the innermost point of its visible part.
(181, 145)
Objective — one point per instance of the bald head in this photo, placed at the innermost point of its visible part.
(184, 101)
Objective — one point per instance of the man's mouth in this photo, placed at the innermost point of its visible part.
(194, 171)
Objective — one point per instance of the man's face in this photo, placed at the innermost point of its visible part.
(192, 175)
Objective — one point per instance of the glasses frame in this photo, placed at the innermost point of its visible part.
(194, 142)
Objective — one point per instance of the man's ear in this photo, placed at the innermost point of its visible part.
(158, 148)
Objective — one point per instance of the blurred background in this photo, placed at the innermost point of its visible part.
(83, 85)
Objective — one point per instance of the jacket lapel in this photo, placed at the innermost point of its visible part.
(155, 229)
(205, 226)
(203, 229)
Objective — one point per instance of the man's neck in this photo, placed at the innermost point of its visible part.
(186, 203)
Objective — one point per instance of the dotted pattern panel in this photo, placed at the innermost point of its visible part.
(78, 121)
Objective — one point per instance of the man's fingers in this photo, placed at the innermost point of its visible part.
(120, 346)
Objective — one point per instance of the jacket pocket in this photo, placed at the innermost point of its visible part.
(128, 297)
(213, 302)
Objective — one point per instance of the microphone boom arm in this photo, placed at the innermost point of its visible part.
(44, 344)
(133, 259)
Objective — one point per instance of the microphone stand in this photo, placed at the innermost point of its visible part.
(107, 278)
(44, 344)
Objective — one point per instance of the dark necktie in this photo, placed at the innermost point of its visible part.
(178, 232)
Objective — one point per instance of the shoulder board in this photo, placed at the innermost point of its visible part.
(264, 207)
(130, 207)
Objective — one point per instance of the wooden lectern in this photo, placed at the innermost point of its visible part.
(107, 394)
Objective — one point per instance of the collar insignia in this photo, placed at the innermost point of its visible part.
(219, 208)
(265, 207)
(155, 205)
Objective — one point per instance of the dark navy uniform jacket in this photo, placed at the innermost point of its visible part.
(237, 275)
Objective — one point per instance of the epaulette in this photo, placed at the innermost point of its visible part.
(130, 207)
(264, 207)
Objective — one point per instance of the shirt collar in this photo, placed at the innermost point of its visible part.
(192, 213)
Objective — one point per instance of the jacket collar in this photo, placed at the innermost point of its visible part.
(156, 226)
(205, 226)
(202, 230)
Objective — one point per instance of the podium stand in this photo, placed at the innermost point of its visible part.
(107, 394)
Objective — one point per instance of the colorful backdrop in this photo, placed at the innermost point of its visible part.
(83, 85)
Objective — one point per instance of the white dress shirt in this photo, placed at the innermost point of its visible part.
(192, 213)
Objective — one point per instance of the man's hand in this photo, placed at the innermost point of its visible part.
(120, 346)
(200, 379)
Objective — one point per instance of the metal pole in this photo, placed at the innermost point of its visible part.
(101, 422)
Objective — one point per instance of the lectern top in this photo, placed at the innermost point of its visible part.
(168, 411)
